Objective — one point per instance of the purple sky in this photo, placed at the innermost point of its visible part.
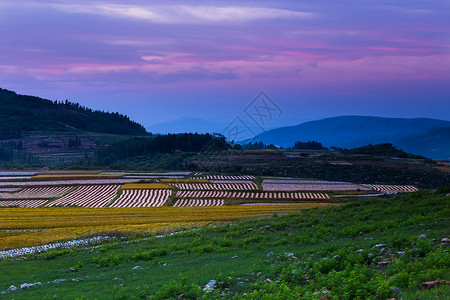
(161, 60)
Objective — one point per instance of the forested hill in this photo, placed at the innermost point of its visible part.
(20, 113)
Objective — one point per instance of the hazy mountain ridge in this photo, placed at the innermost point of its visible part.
(186, 124)
(29, 113)
(357, 131)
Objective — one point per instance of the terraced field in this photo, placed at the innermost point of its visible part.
(142, 198)
(102, 189)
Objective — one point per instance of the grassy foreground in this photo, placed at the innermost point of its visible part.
(379, 248)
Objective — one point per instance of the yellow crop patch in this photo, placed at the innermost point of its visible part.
(53, 224)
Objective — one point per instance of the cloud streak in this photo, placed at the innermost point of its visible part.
(184, 14)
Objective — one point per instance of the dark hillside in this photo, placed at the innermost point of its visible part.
(27, 113)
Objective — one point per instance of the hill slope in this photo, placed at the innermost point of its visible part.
(373, 249)
(28, 113)
(357, 131)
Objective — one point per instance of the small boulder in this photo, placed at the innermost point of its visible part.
(25, 286)
(59, 280)
(270, 254)
(445, 240)
(137, 268)
(12, 288)
(432, 284)
(210, 285)
(422, 237)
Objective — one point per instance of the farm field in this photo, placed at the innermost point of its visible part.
(379, 248)
(55, 224)
(61, 189)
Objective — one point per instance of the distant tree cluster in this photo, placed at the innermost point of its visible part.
(8, 135)
(384, 149)
(6, 153)
(74, 143)
(258, 146)
(170, 143)
(312, 145)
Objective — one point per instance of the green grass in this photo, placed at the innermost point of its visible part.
(324, 241)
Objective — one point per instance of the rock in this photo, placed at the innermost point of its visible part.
(58, 280)
(382, 263)
(234, 257)
(72, 270)
(24, 286)
(239, 282)
(445, 240)
(76, 280)
(360, 233)
(359, 250)
(210, 285)
(137, 268)
(164, 264)
(118, 279)
(12, 288)
(432, 284)
(259, 274)
(270, 254)
(379, 246)
(266, 261)
(268, 280)
(422, 237)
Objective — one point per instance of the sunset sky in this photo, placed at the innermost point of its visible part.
(161, 60)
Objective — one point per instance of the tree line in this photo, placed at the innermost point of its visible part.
(169, 143)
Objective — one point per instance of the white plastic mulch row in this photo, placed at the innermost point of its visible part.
(23, 203)
(39, 193)
(311, 187)
(231, 181)
(14, 177)
(88, 196)
(9, 190)
(67, 182)
(17, 173)
(216, 186)
(147, 174)
(142, 198)
(250, 195)
(198, 202)
(391, 189)
(153, 177)
(303, 181)
(229, 177)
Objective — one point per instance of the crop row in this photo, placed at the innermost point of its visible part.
(88, 196)
(311, 187)
(250, 195)
(198, 202)
(229, 177)
(142, 198)
(67, 182)
(216, 186)
(391, 189)
(23, 203)
(39, 193)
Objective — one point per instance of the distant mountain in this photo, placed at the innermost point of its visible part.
(27, 113)
(185, 124)
(435, 143)
(356, 131)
